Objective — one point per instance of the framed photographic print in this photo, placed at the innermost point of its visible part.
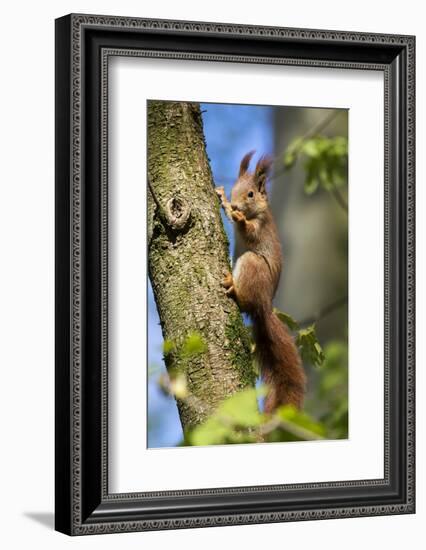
(234, 274)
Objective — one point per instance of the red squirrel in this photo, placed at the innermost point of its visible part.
(255, 275)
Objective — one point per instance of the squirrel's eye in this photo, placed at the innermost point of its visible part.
(250, 194)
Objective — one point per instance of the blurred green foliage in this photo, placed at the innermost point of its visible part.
(235, 421)
(193, 345)
(309, 346)
(325, 416)
(329, 401)
(325, 161)
(238, 419)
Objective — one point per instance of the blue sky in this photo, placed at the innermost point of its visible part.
(230, 132)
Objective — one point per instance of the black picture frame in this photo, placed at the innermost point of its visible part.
(83, 504)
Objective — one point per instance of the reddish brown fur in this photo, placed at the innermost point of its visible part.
(255, 277)
(245, 162)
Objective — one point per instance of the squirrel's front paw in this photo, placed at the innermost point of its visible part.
(238, 216)
(220, 192)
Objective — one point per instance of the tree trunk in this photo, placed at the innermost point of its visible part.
(188, 255)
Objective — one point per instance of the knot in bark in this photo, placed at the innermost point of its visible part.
(177, 212)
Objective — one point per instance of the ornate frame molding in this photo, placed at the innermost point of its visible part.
(84, 508)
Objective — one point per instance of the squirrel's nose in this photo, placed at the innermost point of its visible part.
(234, 206)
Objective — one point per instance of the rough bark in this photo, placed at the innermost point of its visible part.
(188, 255)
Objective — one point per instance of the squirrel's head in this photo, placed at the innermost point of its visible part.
(249, 192)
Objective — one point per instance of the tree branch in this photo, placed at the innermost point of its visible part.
(339, 198)
(330, 308)
(298, 431)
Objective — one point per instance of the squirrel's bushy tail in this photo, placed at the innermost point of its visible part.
(279, 361)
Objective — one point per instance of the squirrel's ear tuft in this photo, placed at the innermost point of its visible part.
(245, 163)
(263, 168)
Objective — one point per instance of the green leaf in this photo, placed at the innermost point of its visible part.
(234, 421)
(339, 146)
(286, 319)
(325, 161)
(324, 177)
(289, 159)
(318, 347)
(241, 409)
(311, 184)
(168, 346)
(311, 148)
(291, 153)
(194, 345)
(337, 176)
(311, 180)
(211, 432)
(310, 348)
(300, 419)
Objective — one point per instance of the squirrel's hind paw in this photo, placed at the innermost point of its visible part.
(228, 284)
(227, 281)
